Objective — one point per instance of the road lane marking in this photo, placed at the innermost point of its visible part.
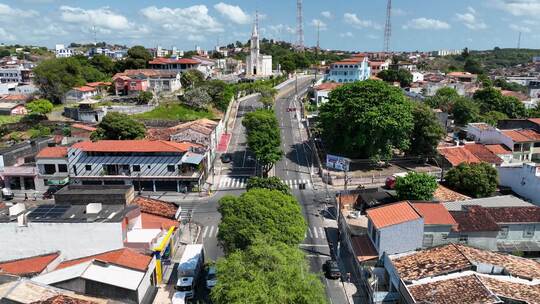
(210, 233)
(310, 235)
(323, 234)
(205, 230)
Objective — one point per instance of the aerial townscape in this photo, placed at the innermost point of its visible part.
(272, 152)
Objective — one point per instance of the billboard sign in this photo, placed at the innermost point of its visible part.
(337, 162)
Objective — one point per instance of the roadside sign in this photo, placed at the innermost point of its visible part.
(337, 162)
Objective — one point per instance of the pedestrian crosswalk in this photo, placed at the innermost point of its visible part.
(233, 182)
(316, 233)
(208, 232)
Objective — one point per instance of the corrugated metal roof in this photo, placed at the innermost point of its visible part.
(488, 202)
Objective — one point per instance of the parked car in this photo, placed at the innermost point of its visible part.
(390, 182)
(226, 158)
(7, 194)
(211, 279)
(186, 285)
(331, 269)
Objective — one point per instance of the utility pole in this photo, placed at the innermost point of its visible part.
(388, 26)
(300, 25)
(519, 41)
(317, 50)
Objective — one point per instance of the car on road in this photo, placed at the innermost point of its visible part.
(186, 286)
(211, 279)
(226, 158)
(331, 269)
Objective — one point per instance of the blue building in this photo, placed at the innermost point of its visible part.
(349, 70)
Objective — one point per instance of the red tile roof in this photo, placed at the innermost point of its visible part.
(84, 127)
(474, 219)
(363, 248)
(84, 89)
(522, 135)
(328, 86)
(152, 221)
(28, 266)
(461, 74)
(125, 257)
(161, 60)
(483, 154)
(156, 207)
(518, 95)
(498, 149)
(15, 97)
(444, 194)
(392, 214)
(458, 155)
(534, 120)
(133, 146)
(53, 152)
(434, 213)
(98, 84)
(63, 299)
(515, 214)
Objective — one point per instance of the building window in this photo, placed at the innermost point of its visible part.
(136, 168)
(74, 170)
(149, 167)
(463, 239)
(428, 240)
(170, 168)
(49, 168)
(528, 232)
(503, 233)
(62, 168)
(444, 236)
(88, 167)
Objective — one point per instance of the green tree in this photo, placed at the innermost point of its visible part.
(40, 106)
(444, 99)
(492, 117)
(465, 111)
(534, 112)
(197, 98)
(260, 213)
(263, 138)
(427, 132)
(145, 97)
(4, 53)
(477, 180)
(103, 63)
(55, 77)
(267, 273)
(416, 186)
(271, 183)
(473, 66)
(510, 86)
(118, 126)
(288, 66)
(491, 99)
(402, 76)
(139, 52)
(367, 119)
(191, 78)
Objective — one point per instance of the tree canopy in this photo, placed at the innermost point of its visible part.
(465, 111)
(427, 132)
(118, 126)
(491, 99)
(191, 78)
(416, 186)
(271, 183)
(402, 76)
(263, 137)
(197, 98)
(260, 213)
(40, 106)
(477, 180)
(267, 273)
(366, 119)
(444, 99)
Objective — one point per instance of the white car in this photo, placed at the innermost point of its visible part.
(211, 279)
(179, 297)
(185, 285)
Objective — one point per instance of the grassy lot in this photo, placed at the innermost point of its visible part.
(174, 111)
(5, 119)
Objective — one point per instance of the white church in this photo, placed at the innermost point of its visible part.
(257, 65)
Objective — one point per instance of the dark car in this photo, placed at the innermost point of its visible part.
(226, 158)
(331, 269)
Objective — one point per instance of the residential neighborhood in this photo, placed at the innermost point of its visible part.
(270, 152)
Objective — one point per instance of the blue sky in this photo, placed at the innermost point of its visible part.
(348, 25)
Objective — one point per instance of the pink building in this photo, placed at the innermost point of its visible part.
(125, 85)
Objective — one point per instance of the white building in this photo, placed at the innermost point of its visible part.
(257, 64)
(11, 74)
(524, 179)
(417, 76)
(62, 52)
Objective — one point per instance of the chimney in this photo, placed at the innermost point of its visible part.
(93, 208)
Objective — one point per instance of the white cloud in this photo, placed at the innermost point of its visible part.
(8, 11)
(101, 17)
(470, 20)
(327, 14)
(193, 19)
(320, 23)
(373, 37)
(196, 38)
(4, 35)
(233, 13)
(519, 7)
(426, 24)
(358, 23)
(281, 28)
(399, 12)
(520, 28)
(346, 35)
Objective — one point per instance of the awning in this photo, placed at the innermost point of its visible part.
(19, 171)
(57, 182)
(192, 158)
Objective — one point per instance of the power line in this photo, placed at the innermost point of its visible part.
(388, 27)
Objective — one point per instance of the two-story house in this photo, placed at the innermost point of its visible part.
(80, 93)
(158, 81)
(147, 165)
(52, 166)
(179, 65)
(349, 70)
(524, 179)
(438, 223)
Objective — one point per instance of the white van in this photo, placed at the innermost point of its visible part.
(186, 286)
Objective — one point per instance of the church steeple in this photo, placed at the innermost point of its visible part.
(254, 51)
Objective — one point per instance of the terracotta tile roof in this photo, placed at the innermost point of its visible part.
(363, 248)
(156, 207)
(152, 221)
(434, 213)
(461, 290)
(133, 146)
(84, 89)
(461, 74)
(15, 97)
(474, 219)
(510, 290)
(125, 257)
(458, 155)
(161, 60)
(431, 262)
(392, 214)
(53, 152)
(444, 194)
(63, 299)
(518, 95)
(498, 149)
(148, 73)
(354, 60)
(481, 126)
(515, 266)
(522, 135)
(84, 127)
(483, 154)
(328, 86)
(28, 266)
(204, 126)
(534, 120)
(515, 214)
(98, 84)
